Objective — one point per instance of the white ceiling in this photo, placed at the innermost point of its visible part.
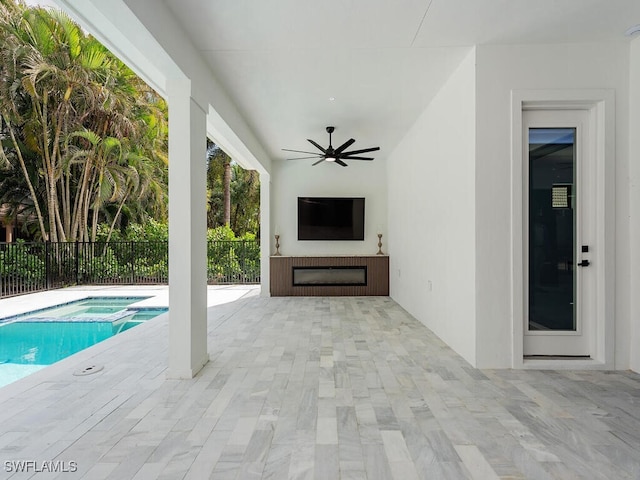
(381, 60)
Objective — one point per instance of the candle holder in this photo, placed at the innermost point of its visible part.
(380, 245)
(277, 254)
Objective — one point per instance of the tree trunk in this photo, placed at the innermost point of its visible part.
(49, 167)
(64, 202)
(113, 223)
(79, 202)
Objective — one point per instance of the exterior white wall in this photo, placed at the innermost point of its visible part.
(297, 178)
(501, 69)
(432, 214)
(634, 203)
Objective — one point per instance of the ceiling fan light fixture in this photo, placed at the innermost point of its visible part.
(330, 159)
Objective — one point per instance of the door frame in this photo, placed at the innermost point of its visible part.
(600, 104)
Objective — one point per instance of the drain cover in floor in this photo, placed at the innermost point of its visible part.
(88, 370)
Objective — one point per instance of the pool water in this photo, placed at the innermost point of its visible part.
(31, 341)
(87, 309)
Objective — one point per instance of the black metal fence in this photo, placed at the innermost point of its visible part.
(31, 267)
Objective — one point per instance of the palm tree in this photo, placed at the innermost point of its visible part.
(245, 197)
(233, 193)
(226, 189)
(44, 49)
(13, 102)
(219, 178)
(80, 110)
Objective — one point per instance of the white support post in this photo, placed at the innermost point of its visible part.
(265, 234)
(187, 233)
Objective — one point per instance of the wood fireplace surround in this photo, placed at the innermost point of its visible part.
(361, 275)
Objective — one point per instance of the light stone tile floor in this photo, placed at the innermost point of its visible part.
(316, 388)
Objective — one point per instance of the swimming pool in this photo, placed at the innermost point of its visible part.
(33, 340)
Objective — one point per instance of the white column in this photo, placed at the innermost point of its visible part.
(265, 233)
(187, 233)
(633, 339)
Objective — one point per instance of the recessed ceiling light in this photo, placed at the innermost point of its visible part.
(331, 99)
(632, 30)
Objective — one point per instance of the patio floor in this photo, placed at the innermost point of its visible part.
(315, 388)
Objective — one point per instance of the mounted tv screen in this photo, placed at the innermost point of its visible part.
(330, 218)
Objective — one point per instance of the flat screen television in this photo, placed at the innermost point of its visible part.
(330, 218)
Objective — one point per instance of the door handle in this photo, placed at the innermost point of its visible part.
(584, 263)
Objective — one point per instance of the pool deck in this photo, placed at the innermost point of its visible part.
(314, 388)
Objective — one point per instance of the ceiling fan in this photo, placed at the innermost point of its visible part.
(337, 155)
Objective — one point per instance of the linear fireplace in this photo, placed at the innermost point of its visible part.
(325, 276)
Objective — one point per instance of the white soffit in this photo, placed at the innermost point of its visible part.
(378, 93)
(383, 61)
(282, 60)
(308, 24)
(463, 22)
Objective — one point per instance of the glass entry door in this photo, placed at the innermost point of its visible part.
(557, 256)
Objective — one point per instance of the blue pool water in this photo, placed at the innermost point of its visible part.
(31, 341)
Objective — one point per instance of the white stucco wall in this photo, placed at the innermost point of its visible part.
(432, 214)
(297, 178)
(634, 204)
(501, 69)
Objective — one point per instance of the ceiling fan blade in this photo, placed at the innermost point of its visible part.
(345, 145)
(316, 145)
(364, 150)
(357, 158)
(340, 162)
(304, 158)
(300, 151)
(319, 161)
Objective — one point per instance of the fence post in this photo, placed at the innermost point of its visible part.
(77, 264)
(47, 263)
(133, 262)
(243, 262)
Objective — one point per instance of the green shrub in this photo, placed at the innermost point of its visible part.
(20, 263)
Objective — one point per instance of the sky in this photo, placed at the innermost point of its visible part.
(44, 3)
